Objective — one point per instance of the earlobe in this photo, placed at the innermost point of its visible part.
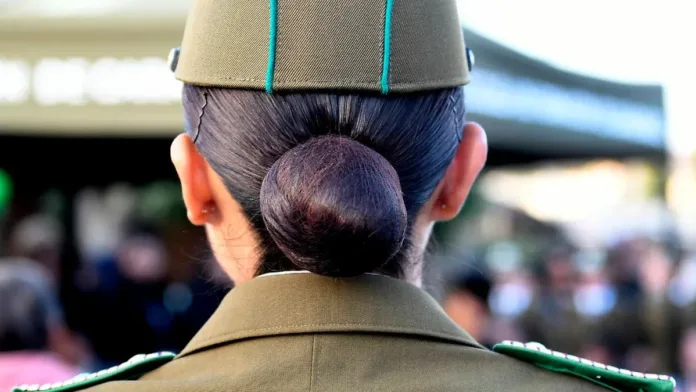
(195, 188)
(468, 162)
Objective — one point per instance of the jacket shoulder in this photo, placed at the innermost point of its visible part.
(603, 376)
(130, 370)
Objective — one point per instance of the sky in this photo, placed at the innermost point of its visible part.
(615, 39)
(634, 41)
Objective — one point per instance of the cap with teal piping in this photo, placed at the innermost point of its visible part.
(382, 46)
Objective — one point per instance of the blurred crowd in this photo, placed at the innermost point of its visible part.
(146, 287)
(632, 306)
(150, 286)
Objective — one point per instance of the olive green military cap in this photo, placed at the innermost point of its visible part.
(385, 46)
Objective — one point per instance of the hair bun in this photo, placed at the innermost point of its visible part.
(334, 207)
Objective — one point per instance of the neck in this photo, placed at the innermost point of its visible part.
(413, 269)
(414, 272)
(414, 279)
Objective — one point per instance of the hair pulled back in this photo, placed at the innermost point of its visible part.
(334, 199)
(331, 183)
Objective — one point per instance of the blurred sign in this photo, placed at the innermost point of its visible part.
(503, 95)
(148, 81)
(103, 75)
(78, 81)
(14, 81)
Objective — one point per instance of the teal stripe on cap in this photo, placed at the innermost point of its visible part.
(272, 37)
(387, 46)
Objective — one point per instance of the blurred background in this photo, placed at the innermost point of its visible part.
(580, 234)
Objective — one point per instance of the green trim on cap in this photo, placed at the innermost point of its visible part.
(387, 46)
(272, 38)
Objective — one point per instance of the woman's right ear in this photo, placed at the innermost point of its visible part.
(191, 168)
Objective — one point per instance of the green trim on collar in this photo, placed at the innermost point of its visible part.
(134, 368)
(610, 377)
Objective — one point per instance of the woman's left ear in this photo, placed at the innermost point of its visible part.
(191, 168)
(456, 185)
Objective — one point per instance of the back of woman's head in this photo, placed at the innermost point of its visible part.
(331, 183)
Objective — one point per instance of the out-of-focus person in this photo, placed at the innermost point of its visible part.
(659, 316)
(553, 318)
(164, 310)
(687, 358)
(645, 326)
(38, 237)
(467, 303)
(128, 285)
(595, 299)
(31, 328)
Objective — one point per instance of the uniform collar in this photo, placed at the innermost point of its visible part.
(308, 303)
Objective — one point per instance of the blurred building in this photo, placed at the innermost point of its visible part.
(79, 76)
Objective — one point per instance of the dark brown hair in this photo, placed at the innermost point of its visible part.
(332, 183)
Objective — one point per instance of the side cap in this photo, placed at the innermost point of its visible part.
(384, 46)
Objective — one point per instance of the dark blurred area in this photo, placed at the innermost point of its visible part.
(122, 267)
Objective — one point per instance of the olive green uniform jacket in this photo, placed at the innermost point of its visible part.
(302, 332)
